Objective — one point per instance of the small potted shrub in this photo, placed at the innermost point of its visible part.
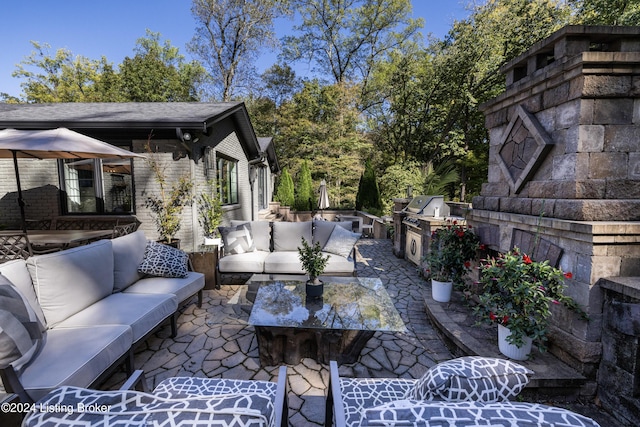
(451, 251)
(314, 263)
(516, 293)
(168, 204)
(210, 217)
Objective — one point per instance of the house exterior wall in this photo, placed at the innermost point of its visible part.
(40, 190)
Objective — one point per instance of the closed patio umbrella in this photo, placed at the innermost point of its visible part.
(323, 198)
(60, 143)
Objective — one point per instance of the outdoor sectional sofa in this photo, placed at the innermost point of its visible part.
(272, 247)
(84, 310)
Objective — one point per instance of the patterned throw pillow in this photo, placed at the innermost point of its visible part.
(472, 378)
(164, 261)
(238, 239)
(341, 242)
(20, 334)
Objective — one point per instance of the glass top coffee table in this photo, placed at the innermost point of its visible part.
(336, 326)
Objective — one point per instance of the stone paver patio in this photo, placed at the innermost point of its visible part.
(216, 341)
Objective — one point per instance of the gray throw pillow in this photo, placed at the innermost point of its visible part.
(341, 242)
(20, 334)
(164, 261)
(472, 378)
(238, 239)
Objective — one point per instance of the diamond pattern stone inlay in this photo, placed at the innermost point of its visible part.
(523, 148)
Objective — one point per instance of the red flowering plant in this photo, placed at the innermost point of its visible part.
(517, 292)
(451, 251)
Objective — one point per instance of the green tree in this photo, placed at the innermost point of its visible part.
(344, 38)
(229, 36)
(64, 78)
(157, 73)
(607, 12)
(368, 197)
(304, 190)
(285, 191)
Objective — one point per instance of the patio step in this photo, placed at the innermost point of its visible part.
(553, 379)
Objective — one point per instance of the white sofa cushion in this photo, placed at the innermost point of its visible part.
(16, 271)
(252, 262)
(260, 231)
(322, 230)
(283, 262)
(141, 312)
(20, 330)
(128, 252)
(337, 264)
(69, 281)
(287, 236)
(74, 356)
(182, 288)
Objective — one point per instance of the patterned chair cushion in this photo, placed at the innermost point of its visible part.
(463, 414)
(238, 239)
(341, 242)
(360, 393)
(472, 378)
(20, 329)
(164, 261)
(82, 407)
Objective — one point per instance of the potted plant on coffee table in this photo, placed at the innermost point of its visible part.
(517, 293)
(449, 258)
(314, 263)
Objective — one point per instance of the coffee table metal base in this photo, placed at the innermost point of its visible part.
(278, 345)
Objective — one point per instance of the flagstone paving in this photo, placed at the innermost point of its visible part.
(216, 340)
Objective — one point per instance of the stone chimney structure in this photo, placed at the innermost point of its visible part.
(564, 171)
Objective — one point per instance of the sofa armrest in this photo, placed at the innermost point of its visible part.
(334, 406)
(137, 381)
(281, 404)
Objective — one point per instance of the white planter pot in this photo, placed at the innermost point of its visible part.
(441, 291)
(212, 241)
(510, 350)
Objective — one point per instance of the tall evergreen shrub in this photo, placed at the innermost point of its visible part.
(304, 190)
(284, 192)
(368, 197)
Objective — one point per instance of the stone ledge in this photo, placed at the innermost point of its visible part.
(456, 325)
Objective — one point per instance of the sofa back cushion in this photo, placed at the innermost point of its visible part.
(322, 230)
(69, 281)
(260, 231)
(16, 271)
(287, 236)
(128, 252)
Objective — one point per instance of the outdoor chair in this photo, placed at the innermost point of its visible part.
(120, 230)
(184, 401)
(462, 392)
(14, 246)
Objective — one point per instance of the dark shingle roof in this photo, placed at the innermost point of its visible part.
(116, 115)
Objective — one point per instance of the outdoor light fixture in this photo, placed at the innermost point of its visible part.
(184, 136)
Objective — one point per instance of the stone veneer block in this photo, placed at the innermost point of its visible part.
(622, 189)
(608, 166)
(621, 138)
(613, 111)
(590, 138)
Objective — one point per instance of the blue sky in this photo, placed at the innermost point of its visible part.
(111, 28)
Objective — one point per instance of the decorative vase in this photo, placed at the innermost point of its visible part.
(441, 291)
(314, 287)
(510, 350)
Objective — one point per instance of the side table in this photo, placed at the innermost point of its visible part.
(205, 261)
